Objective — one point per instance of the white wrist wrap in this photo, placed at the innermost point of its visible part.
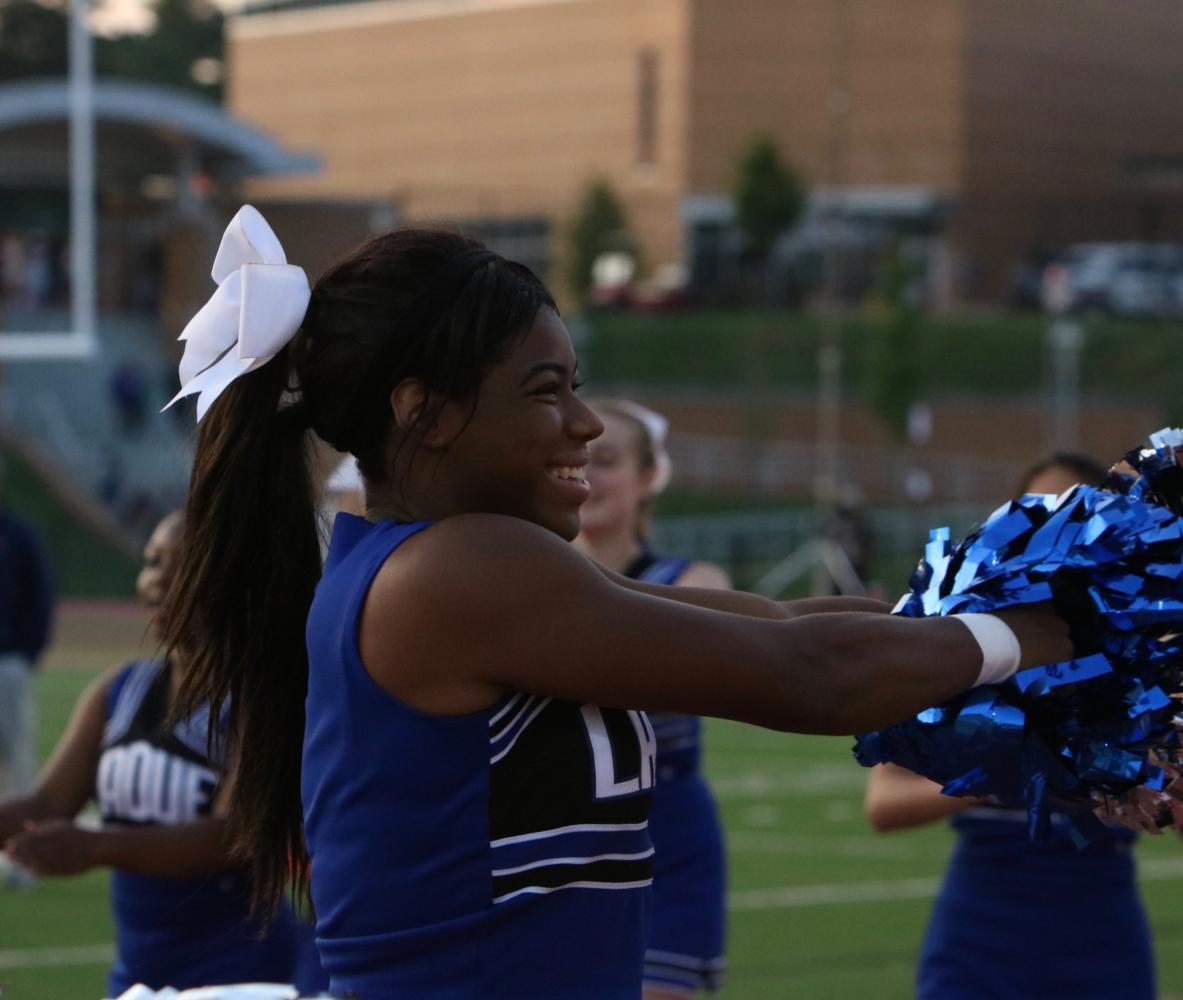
(999, 646)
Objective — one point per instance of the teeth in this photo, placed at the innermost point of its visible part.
(568, 472)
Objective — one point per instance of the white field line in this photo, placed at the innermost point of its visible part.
(40, 958)
(820, 779)
(788, 845)
(786, 898)
(797, 896)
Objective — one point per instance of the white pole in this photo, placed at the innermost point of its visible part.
(1066, 338)
(79, 342)
(829, 356)
(82, 180)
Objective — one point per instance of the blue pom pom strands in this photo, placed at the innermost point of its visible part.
(1066, 737)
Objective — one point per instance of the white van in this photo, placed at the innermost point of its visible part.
(1120, 279)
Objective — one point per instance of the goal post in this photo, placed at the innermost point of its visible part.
(79, 342)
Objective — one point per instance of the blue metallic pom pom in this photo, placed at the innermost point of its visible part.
(1056, 738)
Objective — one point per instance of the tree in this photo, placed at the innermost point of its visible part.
(185, 32)
(33, 43)
(32, 40)
(768, 196)
(599, 226)
(893, 364)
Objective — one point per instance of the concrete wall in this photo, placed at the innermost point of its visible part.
(1032, 115)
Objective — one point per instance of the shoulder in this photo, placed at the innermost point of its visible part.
(705, 575)
(492, 533)
(113, 678)
(100, 695)
(477, 569)
(470, 550)
(452, 600)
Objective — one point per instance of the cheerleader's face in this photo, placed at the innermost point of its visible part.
(159, 560)
(618, 483)
(522, 449)
(1055, 479)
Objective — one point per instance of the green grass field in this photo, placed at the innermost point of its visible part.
(821, 908)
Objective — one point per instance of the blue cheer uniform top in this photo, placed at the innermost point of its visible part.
(503, 853)
(179, 932)
(684, 950)
(1023, 920)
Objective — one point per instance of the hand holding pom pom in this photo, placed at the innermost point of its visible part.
(1093, 727)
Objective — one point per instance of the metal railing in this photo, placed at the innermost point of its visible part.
(750, 544)
(783, 468)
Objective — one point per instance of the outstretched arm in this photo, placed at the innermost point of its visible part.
(539, 617)
(706, 586)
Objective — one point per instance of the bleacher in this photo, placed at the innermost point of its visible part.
(67, 410)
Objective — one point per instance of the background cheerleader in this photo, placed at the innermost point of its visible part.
(628, 468)
(179, 900)
(1016, 919)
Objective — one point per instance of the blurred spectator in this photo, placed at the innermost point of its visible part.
(12, 268)
(29, 273)
(38, 273)
(110, 486)
(129, 392)
(26, 612)
(847, 527)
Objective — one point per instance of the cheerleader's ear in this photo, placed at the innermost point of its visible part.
(433, 422)
(408, 402)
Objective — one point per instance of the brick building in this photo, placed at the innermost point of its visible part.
(1015, 125)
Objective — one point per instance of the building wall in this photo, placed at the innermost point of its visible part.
(1065, 100)
(773, 66)
(472, 109)
(1032, 115)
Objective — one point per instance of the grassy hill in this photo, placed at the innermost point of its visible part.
(996, 355)
(86, 563)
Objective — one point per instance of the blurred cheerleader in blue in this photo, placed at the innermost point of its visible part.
(179, 896)
(629, 468)
(1016, 919)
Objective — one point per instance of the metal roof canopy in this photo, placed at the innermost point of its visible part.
(78, 131)
(141, 129)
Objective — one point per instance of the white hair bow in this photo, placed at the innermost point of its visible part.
(657, 430)
(258, 307)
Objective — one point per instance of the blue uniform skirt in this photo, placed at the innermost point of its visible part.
(307, 975)
(189, 932)
(1017, 920)
(685, 946)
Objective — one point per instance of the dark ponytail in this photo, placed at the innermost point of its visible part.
(247, 568)
(424, 304)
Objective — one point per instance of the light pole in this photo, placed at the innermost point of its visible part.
(82, 165)
(78, 342)
(829, 355)
(1064, 338)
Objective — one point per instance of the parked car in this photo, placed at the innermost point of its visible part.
(1119, 279)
